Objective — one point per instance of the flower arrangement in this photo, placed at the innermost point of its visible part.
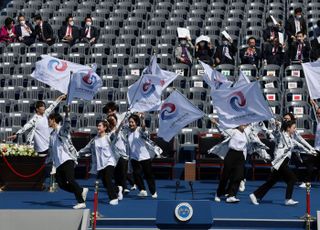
(17, 150)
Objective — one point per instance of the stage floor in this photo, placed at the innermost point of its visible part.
(271, 208)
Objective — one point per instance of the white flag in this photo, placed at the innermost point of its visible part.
(84, 85)
(312, 73)
(214, 78)
(176, 112)
(241, 105)
(145, 94)
(242, 80)
(56, 72)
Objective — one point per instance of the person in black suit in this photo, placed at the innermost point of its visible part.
(251, 54)
(273, 53)
(315, 43)
(299, 50)
(225, 52)
(271, 31)
(25, 32)
(69, 33)
(43, 31)
(89, 34)
(295, 24)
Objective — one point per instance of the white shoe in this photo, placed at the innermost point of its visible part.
(242, 186)
(143, 193)
(232, 199)
(291, 202)
(114, 202)
(302, 185)
(126, 191)
(120, 195)
(79, 206)
(155, 195)
(217, 199)
(134, 187)
(253, 199)
(84, 193)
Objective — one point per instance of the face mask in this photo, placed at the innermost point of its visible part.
(183, 42)
(22, 23)
(270, 24)
(71, 23)
(225, 43)
(252, 46)
(88, 24)
(201, 43)
(298, 16)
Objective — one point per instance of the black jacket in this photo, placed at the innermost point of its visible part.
(291, 27)
(223, 59)
(267, 33)
(250, 60)
(305, 51)
(47, 33)
(75, 33)
(276, 58)
(94, 33)
(28, 40)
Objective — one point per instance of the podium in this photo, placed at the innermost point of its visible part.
(186, 214)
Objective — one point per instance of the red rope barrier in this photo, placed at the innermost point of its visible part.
(19, 174)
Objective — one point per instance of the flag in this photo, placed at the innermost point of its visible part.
(84, 84)
(145, 94)
(312, 74)
(241, 105)
(242, 80)
(176, 112)
(56, 72)
(214, 78)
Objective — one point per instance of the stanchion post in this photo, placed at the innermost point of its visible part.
(307, 216)
(95, 206)
(53, 187)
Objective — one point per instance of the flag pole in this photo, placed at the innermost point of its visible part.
(71, 73)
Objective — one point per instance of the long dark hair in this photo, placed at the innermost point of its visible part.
(286, 125)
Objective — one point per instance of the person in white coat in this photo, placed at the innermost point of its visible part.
(141, 156)
(104, 161)
(285, 143)
(64, 157)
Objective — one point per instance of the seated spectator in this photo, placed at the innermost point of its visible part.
(251, 54)
(273, 53)
(225, 52)
(299, 51)
(69, 33)
(8, 32)
(89, 34)
(295, 24)
(25, 32)
(315, 43)
(43, 31)
(184, 51)
(204, 52)
(271, 31)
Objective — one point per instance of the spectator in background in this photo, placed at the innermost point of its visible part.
(89, 34)
(204, 52)
(69, 33)
(272, 30)
(251, 54)
(184, 51)
(225, 52)
(295, 24)
(25, 32)
(299, 50)
(273, 53)
(8, 32)
(315, 43)
(43, 31)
